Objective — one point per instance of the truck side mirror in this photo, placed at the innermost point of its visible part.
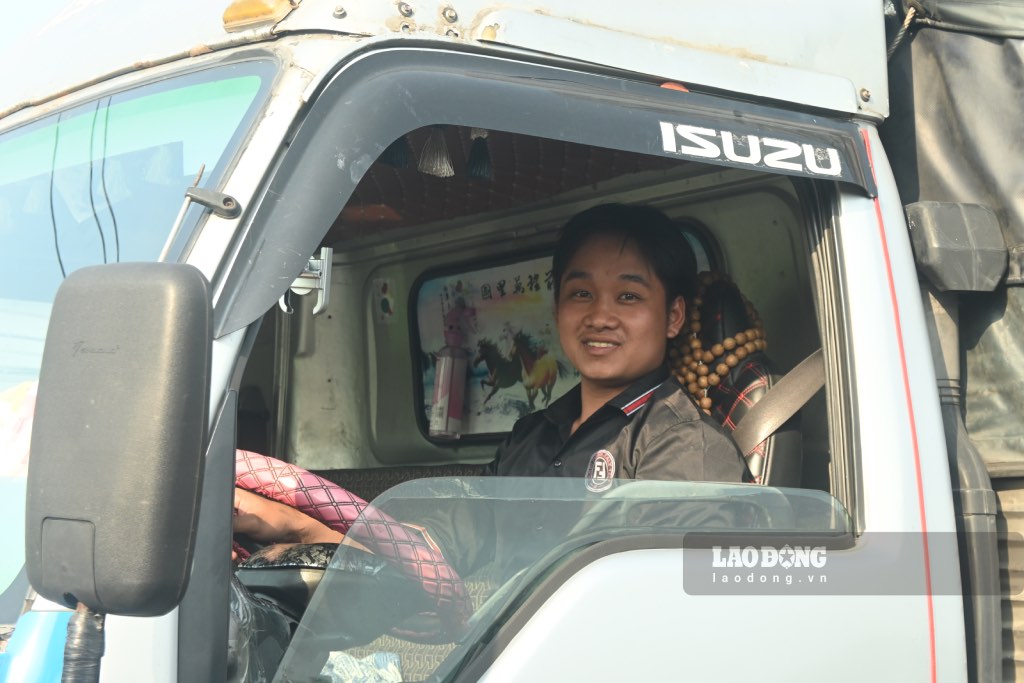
(116, 460)
(958, 247)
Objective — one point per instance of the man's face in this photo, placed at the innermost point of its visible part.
(612, 316)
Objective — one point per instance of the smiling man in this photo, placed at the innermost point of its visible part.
(622, 275)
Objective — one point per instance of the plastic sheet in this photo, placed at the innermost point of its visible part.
(258, 634)
(1004, 17)
(991, 326)
(956, 134)
(380, 667)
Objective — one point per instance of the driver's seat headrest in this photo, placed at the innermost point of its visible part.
(723, 313)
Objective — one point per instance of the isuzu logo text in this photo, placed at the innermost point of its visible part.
(784, 155)
(765, 557)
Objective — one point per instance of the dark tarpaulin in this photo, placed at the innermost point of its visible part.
(956, 134)
(989, 17)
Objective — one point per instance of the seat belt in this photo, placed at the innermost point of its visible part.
(781, 402)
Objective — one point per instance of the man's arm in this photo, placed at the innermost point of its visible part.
(268, 521)
(696, 450)
(691, 451)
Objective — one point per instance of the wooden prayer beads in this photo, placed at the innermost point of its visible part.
(698, 368)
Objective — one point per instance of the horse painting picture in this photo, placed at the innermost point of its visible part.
(528, 363)
(540, 368)
(516, 363)
(502, 372)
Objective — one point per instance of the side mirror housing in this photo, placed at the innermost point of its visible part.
(116, 462)
(958, 247)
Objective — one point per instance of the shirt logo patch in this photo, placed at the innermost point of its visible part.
(600, 472)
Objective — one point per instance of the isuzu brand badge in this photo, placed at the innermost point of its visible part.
(754, 150)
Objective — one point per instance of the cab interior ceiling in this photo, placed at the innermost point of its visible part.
(489, 175)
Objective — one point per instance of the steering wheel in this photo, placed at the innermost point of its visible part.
(401, 548)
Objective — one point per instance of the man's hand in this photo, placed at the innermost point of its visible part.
(268, 521)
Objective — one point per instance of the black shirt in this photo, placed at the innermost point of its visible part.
(652, 430)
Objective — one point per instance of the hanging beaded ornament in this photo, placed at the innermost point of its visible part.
(699, 369)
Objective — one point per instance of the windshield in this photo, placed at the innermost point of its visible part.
(99, 183)
(432, 568)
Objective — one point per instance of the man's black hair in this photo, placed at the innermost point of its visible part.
(660, 242)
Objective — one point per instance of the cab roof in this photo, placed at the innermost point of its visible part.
(797, 51)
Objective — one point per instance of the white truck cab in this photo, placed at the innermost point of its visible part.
(242, 228)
